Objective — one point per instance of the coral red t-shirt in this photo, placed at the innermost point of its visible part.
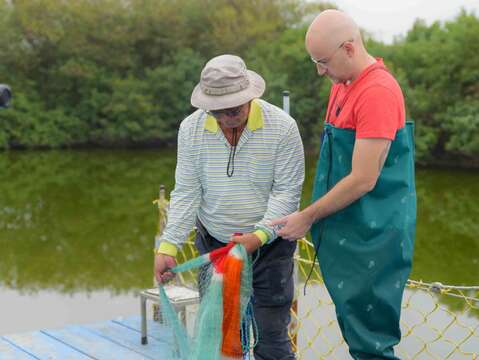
(373, 104)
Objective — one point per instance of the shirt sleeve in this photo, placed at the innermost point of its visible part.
(185, 198)
(287, 180)
(378, 114)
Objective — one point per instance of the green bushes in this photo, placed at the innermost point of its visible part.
(112, 73)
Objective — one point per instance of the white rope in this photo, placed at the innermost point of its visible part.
(437, 286)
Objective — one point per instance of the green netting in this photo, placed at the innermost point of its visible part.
(224, 319)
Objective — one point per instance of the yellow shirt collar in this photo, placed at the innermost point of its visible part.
(255, 119)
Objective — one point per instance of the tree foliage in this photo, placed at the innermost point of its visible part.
(111, 72)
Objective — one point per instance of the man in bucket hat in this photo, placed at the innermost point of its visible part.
(240, 164)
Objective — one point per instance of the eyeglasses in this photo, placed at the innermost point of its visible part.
(324, 61)
(231, 112)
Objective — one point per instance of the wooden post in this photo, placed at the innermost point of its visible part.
(293, 328)
(162, 204)
(293, 325)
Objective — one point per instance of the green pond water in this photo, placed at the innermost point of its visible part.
(77, 229)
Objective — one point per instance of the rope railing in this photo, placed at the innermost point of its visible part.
(437, 321)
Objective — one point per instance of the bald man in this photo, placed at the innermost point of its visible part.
(363, 214)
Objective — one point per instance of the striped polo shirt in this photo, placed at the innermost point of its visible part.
(266, 183)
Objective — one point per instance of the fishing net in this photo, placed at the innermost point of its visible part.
(224, 321)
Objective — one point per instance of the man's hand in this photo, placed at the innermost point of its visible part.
(250, 241)
(162, 264)
(294, 226)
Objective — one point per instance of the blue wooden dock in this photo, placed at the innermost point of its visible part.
(109, 340)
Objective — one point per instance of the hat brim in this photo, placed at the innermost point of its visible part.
(219, 102)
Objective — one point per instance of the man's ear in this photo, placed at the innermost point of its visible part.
(349, 47)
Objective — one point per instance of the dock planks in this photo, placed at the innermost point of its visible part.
(107, 340)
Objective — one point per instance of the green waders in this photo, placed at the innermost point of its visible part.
(365, 250)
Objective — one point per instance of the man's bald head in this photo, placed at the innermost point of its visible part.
(328, 30)
(334, 43)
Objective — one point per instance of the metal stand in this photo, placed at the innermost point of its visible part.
(180, 297)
